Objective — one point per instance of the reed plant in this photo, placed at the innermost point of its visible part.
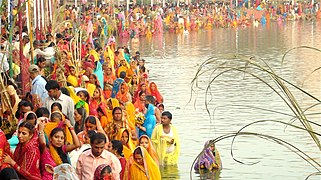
(216, 67)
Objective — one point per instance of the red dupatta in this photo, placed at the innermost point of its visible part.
(125, 96)
(4, 148)
(27, 159)
(155, 93)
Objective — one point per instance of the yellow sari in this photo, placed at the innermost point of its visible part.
(149, 171)
(72, 80)
(130, 109)
(114, 103)
(94, 54)
(150, 148)
(160, 144)
(76, 98)
(52, 125)
(90, 88)
(128, 149)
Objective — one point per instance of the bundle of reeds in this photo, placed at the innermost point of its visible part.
(9, 126)
(261, 71)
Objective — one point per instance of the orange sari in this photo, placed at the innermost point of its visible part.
(150, 148)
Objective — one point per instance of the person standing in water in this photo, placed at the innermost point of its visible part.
(166, 141)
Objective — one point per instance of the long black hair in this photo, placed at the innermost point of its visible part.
(82, 112)
(63, 156)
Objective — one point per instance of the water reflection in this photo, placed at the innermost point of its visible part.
(173, 61)
(206, 174)
(170, 172)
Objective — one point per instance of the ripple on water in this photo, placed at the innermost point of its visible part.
(173, 61)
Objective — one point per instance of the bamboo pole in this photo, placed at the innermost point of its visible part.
(10, 39)
(23, 84)
(30, 32)
(42, 25)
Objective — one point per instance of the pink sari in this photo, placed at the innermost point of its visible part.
(46, 159)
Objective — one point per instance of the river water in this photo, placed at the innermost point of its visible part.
(238, 99)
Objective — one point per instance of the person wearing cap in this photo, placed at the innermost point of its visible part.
(38, 82)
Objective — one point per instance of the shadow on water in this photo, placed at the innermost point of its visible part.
(206, 174)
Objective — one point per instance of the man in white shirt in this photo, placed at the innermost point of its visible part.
(38, 82)
(55, 95)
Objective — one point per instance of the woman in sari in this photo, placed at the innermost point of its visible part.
(4, 148)
(130, 117)
(95, 101)
(140, 102)
(80, 99)
(109, 76)
(144, 167)
(210, 158)
(153, 90)
(149, 123)
(133, 84)
(124, 136)
(94, 80)
(57, 119)
(30, 117)
(166, 141)
(72, 77)
(79, 116)
(102, 115)
(89, 86)
(57, 151)
(27, 155)
(145, 142)
(98, 71)
(103, 172)
(107, 90)
(122, 68)
(141, 88)
(123, 95)
(132, 70)
(111, 104)
(91, 123)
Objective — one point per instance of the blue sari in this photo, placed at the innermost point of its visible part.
(116, 86)
(150, 121)
(99, 73)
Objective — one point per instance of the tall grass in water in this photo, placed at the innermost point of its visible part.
(217, 67)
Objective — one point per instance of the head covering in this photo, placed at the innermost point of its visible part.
(150, 167)
(27, 113)
(98, 171)
(33, 68)
(150, 148)
(209, 159)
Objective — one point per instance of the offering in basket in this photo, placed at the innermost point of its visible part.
(139, 118)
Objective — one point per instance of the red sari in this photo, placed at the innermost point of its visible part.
(155, 93)
(27, 159)
(4, 148)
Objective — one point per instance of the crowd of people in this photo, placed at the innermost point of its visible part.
(96, 117)
(145, 20)
(75, 105)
